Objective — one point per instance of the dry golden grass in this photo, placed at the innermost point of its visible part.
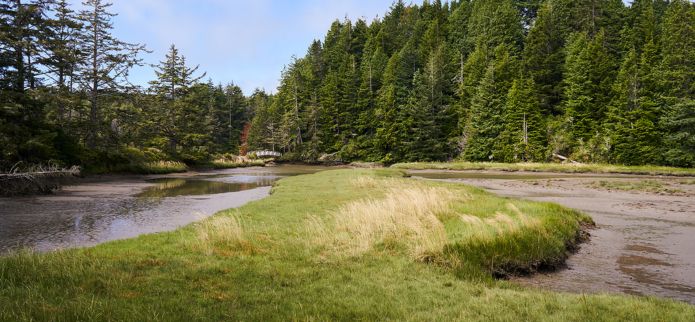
(409, 215)
(220, 231)
(490, 228)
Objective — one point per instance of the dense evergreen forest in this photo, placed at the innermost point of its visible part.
(65, 95)
(502, 80)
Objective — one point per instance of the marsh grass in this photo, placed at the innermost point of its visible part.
(232, 162)
(406, 217)
(160, 167)
(259, 263)
(550, 167)
(653, 186)
(220, 234)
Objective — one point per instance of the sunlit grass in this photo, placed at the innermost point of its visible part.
(405, 217)
(162, 167)
(226, 163)
(276, 259)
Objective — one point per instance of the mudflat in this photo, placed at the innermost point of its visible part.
(645, 232)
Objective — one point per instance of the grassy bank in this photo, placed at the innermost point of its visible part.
(238, 162)
(550, 167)
(153, 167)
(337, 245)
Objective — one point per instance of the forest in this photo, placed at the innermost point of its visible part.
(503, 80)
(66, 99)
(596, 81)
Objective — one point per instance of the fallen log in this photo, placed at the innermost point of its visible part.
(565, 159)
(22, 183)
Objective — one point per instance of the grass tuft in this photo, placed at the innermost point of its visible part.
(405, 217)
(221, 232)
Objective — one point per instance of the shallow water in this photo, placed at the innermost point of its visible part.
(643, 241)
(112, 208)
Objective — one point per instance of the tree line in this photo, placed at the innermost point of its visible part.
(493, 80)
(65, 96)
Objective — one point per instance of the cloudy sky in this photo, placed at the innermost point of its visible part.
(246, 42)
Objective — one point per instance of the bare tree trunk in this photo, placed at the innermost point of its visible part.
(19, 48)
(93, 113)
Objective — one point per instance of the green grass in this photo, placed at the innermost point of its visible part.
(292, 256)
(228, 164)
(642, 185)
(550, 167)
(161, 167)
(154, 167)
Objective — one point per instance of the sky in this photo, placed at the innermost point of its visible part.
(245, 42)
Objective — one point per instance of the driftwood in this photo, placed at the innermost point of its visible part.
(565, 159)
(40, 181)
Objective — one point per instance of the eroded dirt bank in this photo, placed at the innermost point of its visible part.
(645, 234)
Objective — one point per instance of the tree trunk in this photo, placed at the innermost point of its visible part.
(93, 113)
(19, 48)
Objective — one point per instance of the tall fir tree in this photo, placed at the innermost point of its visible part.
(524, 137)
(107, 64)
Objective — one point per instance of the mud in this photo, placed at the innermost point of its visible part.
(643, 241)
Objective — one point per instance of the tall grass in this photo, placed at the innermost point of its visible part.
(220, 233)
(550, 167)
(405, 217)
(161, 167)
(232, 161)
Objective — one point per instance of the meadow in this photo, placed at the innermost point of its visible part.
(337, 245)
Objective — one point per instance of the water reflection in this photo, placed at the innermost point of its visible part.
(185, 187)
(118, 208)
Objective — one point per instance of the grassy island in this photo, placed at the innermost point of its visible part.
(337, 245)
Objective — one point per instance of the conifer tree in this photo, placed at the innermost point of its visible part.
(486, 120)
(677, 81)
(589, 72)
(108, 61)
(524, 137)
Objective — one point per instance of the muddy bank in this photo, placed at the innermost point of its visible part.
(104, 208)
(642, 244)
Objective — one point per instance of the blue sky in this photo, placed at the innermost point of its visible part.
(246, 42)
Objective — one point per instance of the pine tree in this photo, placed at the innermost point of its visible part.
(62, 57)
(524, 137)
(108, 61)
(544, 52)
(589, 71)
(428, 114)
(486, 120)
(677, 80)
(169, 113)
(494, 22)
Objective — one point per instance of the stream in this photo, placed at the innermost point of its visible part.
(101, 209)
(643, 241)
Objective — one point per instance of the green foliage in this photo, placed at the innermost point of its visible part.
(418, 84)
(524, 137)
(425, 82)
(486, 121)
